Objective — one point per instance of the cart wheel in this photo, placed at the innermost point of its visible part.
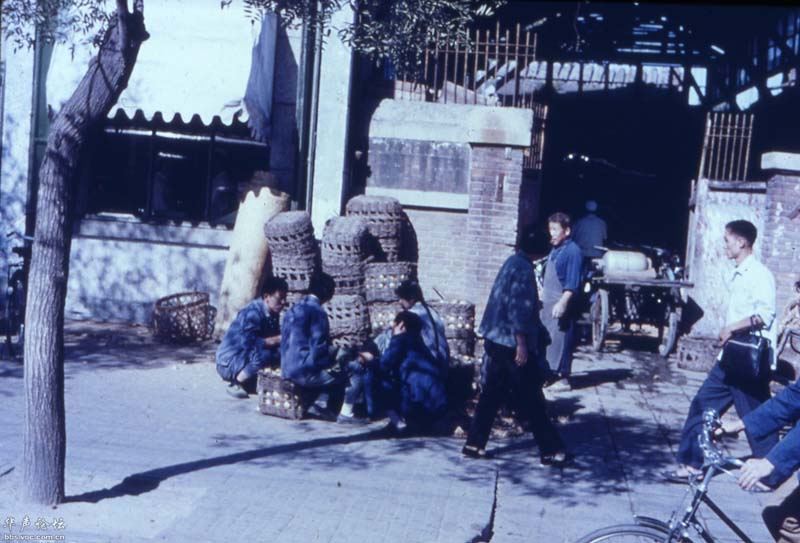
(599, 319)
(669, 334)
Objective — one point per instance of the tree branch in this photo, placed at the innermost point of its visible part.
(138, 6)
(122, 23)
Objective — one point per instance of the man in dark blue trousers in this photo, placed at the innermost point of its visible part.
(513, 365)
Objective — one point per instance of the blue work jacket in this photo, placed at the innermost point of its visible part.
(420, 377)
(568, 260)
(305, 341)
(245, 337)
(513, 306)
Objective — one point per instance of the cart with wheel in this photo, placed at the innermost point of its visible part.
(629, 297)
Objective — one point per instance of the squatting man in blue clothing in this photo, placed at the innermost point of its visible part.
(253, 340)
(513, 365)
(310, 361)
(407, 381)
(782, 518)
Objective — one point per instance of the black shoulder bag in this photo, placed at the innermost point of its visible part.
(745, 355)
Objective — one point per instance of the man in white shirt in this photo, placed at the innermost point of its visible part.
(752, 303)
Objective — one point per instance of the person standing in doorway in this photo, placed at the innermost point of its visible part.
(589, 232)
(562, 278)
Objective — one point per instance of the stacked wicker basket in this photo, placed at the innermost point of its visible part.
(294, 250)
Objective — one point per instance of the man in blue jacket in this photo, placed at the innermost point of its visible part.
(783, 520)
(309, 361)
(408, 381)
(562, 278)
(513, 363)
(252, 341)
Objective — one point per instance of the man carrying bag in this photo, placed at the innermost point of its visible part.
(740, 377)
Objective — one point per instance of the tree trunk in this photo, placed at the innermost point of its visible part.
(45, 429)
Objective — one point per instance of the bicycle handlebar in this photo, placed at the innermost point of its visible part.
(712, 454)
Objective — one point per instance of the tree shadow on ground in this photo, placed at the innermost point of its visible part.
(598, 377)
(147, 481)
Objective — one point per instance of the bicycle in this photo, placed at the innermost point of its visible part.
(682, 525)
(14, 307)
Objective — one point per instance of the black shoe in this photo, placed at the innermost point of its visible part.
(319, 412)
(557, 460)
(474, 452)
(236, 390)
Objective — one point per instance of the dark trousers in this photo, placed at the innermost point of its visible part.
(783, 519)
(719, 392)
(502, 379)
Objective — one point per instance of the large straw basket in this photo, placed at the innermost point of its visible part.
(385, 218)
(349, 319)
(183, 317)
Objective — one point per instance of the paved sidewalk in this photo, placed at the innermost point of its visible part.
(158, 452)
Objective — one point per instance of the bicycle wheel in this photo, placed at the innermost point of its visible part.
(625, 533)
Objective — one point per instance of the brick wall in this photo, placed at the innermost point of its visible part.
(443, 255)
(494, 202)
(781, 243)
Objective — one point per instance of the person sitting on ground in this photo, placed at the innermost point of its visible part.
(782, 518)
(310, 361)
(407, 381)
(410, 296)
(253, 340)
(513, 365)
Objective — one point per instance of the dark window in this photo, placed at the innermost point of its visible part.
(165, 175)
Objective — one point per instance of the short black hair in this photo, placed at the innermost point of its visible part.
(560, 218)
(273, 285)
(527, 239)
(409, 290)
(744, 229)
(411, 321)
(322, 286)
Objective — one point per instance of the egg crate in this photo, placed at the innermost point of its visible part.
(382, 314)
(279, 398)
(462, 346)
(382, 278)
(458, 318)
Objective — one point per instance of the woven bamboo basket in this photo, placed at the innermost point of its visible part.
(385, 218)
(344, 242)
(279, 398)
(348, 315)
(183, 317)
(382, 278)
(382, 314)
(461, 346)
(347, 279)
(290, 233)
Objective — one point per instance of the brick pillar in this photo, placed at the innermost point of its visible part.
(781, 249)
(494, 199)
